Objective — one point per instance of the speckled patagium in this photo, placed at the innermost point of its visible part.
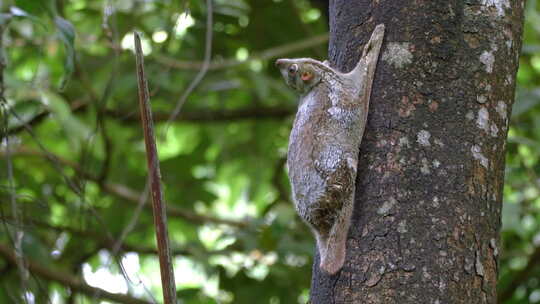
(324, 144)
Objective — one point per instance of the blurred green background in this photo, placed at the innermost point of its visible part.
(75, 167)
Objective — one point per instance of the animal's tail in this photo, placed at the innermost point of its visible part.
(332, 249)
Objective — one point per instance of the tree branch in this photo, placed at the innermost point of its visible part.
(129, 195)
(204, 67)
(520, 277)
(228, 63)
(77, 106)
(68, 280)
(130, 116)
(204, 116)
(210, 116)
(276, 182)
(104, 241)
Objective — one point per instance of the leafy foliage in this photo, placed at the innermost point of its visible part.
(520, 267)
(77, 154)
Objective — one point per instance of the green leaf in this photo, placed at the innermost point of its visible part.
(525, 101)
(19, 12)
(33, 7)
(66, 33)
(26, 109)
(260, 85)
(76, 130)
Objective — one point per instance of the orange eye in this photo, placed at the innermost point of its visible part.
(306, 76)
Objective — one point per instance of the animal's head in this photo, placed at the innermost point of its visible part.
(301, 74)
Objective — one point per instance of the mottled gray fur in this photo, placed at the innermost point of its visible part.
(324, 142)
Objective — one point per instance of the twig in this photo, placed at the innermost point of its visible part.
(276, 182)
(67, 279)
(117, 245)
(160, 215)
(307, 28)
(48, 155)
(204, 67)
(210, 116)
(256, 113)
(229, 63)
(133, 196)
(106, 242)
(38, 118)
(128, 194)
(57, 166)
(18, 234)
(520, 277)
(111, 31)
(204, 116)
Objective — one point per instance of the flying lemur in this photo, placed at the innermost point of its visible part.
(324, 144)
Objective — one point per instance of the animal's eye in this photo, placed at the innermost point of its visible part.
(293, 69)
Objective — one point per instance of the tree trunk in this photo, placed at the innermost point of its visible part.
(429, 189)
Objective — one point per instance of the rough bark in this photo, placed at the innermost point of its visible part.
(429, 189)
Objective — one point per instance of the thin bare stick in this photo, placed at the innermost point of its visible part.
(18, 234)
(67, 279)
(127, 194)
(160, 215)
(104, 242)
(204, 67)
(118, 244)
